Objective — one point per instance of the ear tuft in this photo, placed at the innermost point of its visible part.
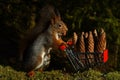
(52, 21)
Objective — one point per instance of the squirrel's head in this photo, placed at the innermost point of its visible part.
(50, 16)
(59, 26)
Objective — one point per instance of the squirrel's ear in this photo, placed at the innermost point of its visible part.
(58, 17)
(55, 19)
(52, 21)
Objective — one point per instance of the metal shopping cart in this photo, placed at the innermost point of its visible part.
(82, 61)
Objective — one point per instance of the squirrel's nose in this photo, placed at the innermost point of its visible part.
(64, 33)
(66, 29)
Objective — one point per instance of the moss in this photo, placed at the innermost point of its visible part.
(8, 73)
(113, 76)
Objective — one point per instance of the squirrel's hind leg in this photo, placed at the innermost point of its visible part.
(31, 73)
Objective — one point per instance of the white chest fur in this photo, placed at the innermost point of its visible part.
(42, 56)
(57, 36)
(45, 60)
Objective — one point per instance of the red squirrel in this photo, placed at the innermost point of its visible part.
(36, 46)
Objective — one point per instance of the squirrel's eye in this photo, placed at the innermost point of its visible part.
(59, 25)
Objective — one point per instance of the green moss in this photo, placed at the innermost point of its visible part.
(8, 73)
(89, 75)
(113, 76)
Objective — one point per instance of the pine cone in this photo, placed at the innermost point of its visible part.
(95, 36)
(89, 46)
(101, 44)
(90, 43)
(81, 43)
(81, 47)
(74, 38)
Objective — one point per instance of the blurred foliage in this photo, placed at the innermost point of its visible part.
(79, 15)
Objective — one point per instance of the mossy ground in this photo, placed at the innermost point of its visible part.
(8, 73)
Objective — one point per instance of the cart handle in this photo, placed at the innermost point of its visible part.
(105, 55)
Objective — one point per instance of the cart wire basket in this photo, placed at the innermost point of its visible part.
(83, 61)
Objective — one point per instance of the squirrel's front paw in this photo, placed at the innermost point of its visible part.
(65, 44)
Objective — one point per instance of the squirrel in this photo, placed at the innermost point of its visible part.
(36, 46)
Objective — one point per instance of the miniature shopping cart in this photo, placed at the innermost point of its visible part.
(82, 61)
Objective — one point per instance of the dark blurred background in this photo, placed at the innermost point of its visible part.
(18, 16)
